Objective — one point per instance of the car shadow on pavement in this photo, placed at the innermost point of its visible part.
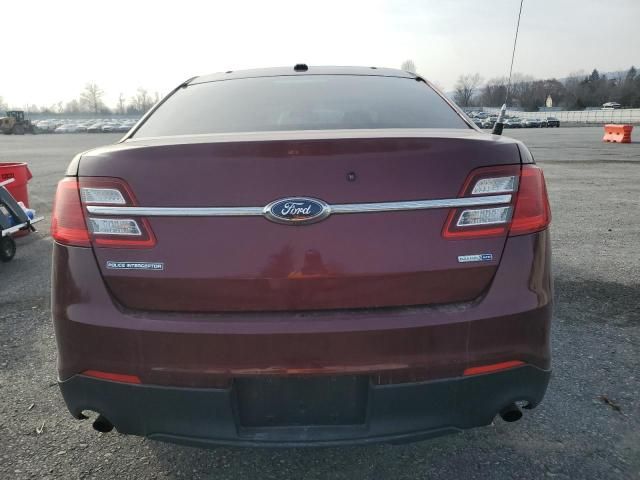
(443, 456)
(599, 301)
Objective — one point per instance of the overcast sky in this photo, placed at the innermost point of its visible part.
(52, 48)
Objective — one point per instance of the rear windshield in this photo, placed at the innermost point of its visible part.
(306, 102)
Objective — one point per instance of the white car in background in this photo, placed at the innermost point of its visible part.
(43, 126)
(67, 128)
(110, 127)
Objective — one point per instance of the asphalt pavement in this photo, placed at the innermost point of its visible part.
(587, 427)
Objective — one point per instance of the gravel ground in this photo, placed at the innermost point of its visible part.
(587, 427)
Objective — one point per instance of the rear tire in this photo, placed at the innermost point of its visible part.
(18, 130)
(7, 249)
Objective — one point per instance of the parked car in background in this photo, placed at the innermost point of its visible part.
(489, 122)
(66, 128)
(513, 122)
(552, 122)
(478, 122)
(74, 125)
(204, 291)
(611, 106)
(47, 126)
(44, 126)
(531, 123)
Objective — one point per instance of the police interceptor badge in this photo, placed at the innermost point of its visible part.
(155, 266)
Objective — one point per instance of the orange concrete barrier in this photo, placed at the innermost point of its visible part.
(617, 133)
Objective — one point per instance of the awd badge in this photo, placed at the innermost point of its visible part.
(482, 257)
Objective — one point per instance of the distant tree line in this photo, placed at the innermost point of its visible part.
(408, 66)
(91, 100)
(576, 92)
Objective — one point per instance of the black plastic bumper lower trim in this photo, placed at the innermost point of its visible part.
(394, 413)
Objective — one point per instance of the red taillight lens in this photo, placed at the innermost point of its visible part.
(527, 212)
(532, 211)
(67, 223)
(72, 224)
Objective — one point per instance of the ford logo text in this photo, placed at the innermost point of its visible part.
(297, 210)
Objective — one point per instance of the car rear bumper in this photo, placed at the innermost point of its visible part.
(391, 413)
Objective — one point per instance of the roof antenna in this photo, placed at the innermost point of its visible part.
(499, 125)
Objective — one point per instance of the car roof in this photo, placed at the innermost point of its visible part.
(292, 70)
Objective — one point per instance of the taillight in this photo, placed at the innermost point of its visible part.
(527, 211)
(480, 221)
(73, 225)
(532, 212)
(67, 221)
(114, 232)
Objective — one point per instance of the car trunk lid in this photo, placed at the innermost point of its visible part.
(369, 259)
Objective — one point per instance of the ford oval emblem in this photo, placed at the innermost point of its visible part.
(297, 210)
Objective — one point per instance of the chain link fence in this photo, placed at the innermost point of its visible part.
(630, 116)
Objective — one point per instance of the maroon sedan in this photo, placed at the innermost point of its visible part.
(302, 256)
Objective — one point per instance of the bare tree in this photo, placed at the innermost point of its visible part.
(408, 66)
(3, 106)
(142, 101)
(493, 93)
(122, 107)
(91, 97)
(465, 89)
(72, 107)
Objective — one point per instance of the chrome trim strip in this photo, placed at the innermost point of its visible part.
(420, 204)
(178, 211)
(340, 208)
